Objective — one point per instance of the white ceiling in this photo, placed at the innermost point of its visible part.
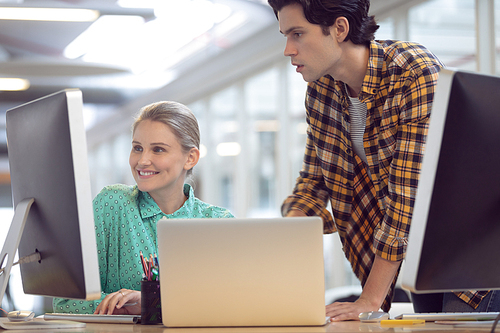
(35, 50)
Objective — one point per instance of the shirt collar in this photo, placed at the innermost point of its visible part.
(149, 208)
(371, 82)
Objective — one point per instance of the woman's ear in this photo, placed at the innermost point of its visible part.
(193, 158)
(340, 29)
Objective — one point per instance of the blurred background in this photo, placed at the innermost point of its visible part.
(223, 59)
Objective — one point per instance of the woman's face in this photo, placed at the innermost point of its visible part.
(157, 161)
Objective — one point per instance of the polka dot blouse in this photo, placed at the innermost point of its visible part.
(125, 224)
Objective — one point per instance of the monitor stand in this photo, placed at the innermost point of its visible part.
(12, 242)
(7, 261)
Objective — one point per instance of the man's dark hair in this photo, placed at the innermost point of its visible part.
(362, 27)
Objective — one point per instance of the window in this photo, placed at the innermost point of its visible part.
(446, 28)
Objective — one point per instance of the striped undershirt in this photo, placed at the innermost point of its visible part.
(357, 112)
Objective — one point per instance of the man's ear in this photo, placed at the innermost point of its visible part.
(340, 29)
(193, 158)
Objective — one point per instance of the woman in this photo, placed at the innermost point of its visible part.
(165, 148)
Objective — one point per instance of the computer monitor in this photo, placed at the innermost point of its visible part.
(454, 239)
(53, 220)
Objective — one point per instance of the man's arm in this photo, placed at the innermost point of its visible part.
(295, 212)
(374, 292)
(310, 195)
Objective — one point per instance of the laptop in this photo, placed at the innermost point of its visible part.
(242, 272)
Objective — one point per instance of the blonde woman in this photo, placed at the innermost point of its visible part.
(165, 148)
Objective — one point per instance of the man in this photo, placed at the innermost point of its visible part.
(367, 105)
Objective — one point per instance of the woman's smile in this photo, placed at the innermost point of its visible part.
(146, 173)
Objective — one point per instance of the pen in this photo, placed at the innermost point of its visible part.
(143, 262)
(151, 260)
(150, 266)
(401, 322)
(156, 268)
(149, 271)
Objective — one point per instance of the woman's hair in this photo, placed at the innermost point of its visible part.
(178, 117)
(362, 27)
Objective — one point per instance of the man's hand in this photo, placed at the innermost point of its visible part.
(374, 291)
(340, 311)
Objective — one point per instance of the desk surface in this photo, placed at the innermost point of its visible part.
(348, 326)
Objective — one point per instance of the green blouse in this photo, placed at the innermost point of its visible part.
(125, 224)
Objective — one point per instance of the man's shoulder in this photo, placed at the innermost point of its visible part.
(392, 46)
(407, 55)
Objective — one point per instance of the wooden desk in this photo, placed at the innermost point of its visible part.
(348, 326)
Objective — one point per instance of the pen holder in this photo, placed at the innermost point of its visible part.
(150, 303)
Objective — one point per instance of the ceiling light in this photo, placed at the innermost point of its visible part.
(48, 14)
(13, 84)
(105, 41)
(138, 4)
(127, 41)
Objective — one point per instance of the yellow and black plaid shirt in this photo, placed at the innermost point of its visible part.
(372, 204)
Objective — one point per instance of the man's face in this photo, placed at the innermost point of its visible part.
(313, 53)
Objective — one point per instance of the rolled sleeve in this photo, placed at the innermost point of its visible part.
(310, 194)
(391, 238)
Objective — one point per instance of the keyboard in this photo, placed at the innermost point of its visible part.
(451, 316)
(94, 318)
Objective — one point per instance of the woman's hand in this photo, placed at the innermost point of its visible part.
(124, 301)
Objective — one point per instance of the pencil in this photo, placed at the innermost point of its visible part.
(156, 262)
(401, 322)
(143, 262)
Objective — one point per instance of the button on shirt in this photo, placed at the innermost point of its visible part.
(125, 223)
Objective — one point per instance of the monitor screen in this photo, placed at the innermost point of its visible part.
(48, 162)
(454, 240)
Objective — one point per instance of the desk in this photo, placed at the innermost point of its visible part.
(347, 326)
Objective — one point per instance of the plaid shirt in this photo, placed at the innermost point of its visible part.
(372, 203)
